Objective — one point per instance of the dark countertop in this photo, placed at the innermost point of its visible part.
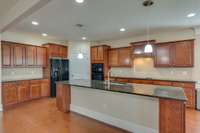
(156, 91)
(171, 80)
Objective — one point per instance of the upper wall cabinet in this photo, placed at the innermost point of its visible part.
(175, 54)
(120, 57)
(41, 56)
(7, 57)
(21, 55)
(31, 55)
(55, 50)
(99, 53)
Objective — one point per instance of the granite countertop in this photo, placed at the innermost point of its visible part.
(160, 79)
(156, 91)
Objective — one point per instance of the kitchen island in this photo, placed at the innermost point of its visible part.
(137, 108)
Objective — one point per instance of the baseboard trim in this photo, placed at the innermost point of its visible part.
(126, 125)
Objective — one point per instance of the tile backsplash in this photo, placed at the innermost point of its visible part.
(144, 68)
(12, 74)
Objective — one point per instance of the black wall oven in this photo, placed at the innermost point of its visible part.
(98, 72)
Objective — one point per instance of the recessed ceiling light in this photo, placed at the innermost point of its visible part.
(35, 23)
(44, 34)
(191, 15)
(79, 1)
(84, 38)
(122, 29)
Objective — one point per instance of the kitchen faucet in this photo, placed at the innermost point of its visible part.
(109, 73)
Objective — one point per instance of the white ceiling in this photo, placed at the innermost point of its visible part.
(103, 18)
(5, 5)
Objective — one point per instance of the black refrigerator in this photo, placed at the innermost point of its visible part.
(59, 72)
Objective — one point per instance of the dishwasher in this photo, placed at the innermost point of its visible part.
(198, 95)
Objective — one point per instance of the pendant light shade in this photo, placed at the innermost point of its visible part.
(148, 48)
(80, 56)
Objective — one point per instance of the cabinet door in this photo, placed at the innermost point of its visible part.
(183, 54)
(63, 52)
(94, 53)
(9, 93)
(23, 91)
(45, 88)
(35, 89)
(163, 55)
(19, 55)
(113, 57)
(100, 53)
(190, 94)
(41, 59)
(30, 55)
(6, 54)
(125, 57)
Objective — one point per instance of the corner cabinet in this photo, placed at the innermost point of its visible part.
(120, 57)
(174, 54)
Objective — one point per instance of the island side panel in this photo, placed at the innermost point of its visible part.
(172, 116)
(63, 97)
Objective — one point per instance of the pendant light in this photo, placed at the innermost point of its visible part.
(148, 47)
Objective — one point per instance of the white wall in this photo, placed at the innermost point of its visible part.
(79, 68)
(137, 114)
(145, 68)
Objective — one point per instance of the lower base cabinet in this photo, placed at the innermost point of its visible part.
(188, 87)
(20, 91)
(10, 94)
(35, 88)
(23, 91)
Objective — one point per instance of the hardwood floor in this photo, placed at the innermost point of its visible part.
(192, 121)
(41, 116)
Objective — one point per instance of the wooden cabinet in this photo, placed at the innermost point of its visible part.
(41, 59)
(7, 57)
(9, 93)
(63, 97)
(19, 55)
(190, 93)
(113, 57)
(120, 57)
(125, 57)
(45, 88)
(55, 50)
(175, 54)
(23, 91)
(163, 55)
(98, 53)
(30, 55)
(183, 54)
(35, 89)
(26, 90)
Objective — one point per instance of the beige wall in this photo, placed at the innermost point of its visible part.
(144, 67)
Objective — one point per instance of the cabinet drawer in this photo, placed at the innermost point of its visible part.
(122, 80)
(181, 84)
(164, 83)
